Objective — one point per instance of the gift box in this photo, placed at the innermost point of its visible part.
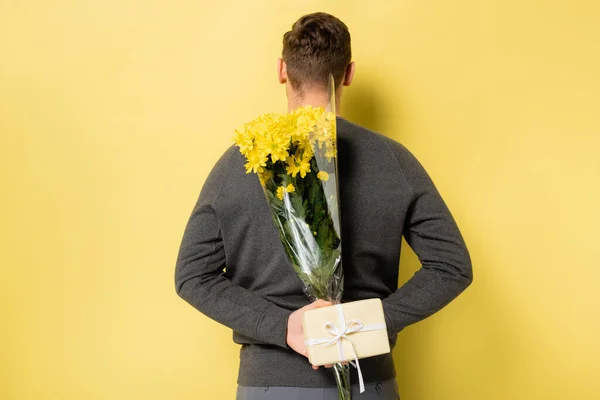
(345, 332)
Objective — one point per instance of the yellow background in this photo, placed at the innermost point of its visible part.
(112, 112)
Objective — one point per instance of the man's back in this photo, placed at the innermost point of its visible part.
(384, 193)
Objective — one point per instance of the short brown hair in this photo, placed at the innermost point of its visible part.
(317, 45)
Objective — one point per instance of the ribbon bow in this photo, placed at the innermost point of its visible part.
(338, 334)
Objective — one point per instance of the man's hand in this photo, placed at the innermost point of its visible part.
(295, 333)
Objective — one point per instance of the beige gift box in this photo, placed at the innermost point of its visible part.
(354, 326)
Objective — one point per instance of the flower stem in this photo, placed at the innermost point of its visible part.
(342, 377)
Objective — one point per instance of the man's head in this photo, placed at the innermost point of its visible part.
(317, 45)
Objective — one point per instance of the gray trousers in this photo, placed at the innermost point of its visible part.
(384, 390)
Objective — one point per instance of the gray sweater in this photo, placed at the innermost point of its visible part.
(233, 268)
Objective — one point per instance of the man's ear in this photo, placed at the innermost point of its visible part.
(281, 70)
(349, 74)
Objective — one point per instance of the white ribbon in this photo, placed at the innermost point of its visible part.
(338, 334)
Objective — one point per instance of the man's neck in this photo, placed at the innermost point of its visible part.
(315, 99)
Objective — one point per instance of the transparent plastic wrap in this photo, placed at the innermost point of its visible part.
(295, 158)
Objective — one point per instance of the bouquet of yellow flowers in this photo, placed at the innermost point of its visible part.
(294, 156)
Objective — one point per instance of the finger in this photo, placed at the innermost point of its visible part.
(322, 303)
(328, 365)
(316, 304)
(315, 367)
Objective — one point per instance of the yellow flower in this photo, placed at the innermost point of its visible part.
(322, 175)
(305, 148)
(260, 125)
(330, 153)
(297, 164)
(256, 161)
(277, 145)
(244, 140)
(285, 189)
(302, 121)
(323, 134)
(304, 125)
(270, 138)
(265, 176)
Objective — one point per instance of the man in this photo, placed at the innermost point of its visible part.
(233, 268)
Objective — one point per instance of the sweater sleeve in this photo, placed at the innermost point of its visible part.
(434, 236)
(200, 278)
